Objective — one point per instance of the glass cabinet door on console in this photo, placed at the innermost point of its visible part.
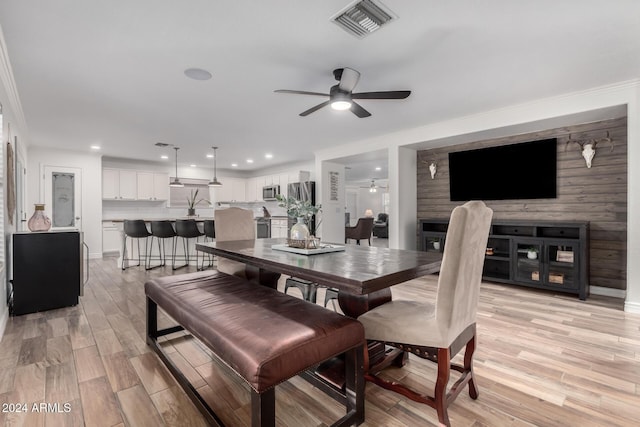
(433, 242)
(497, 260)
(528, 257)
(562, 265)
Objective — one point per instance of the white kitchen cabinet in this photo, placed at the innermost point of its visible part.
(238, 190)
(251, 190)
(111, 237)
(152, 186)
(232, 190)
(118, 184)
(110, 183)
(161, 186)
(279, 227)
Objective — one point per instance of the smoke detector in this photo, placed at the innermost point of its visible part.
(363, 17)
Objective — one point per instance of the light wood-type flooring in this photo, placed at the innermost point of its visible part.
(542, 360)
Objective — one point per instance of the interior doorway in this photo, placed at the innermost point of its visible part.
(62, 196)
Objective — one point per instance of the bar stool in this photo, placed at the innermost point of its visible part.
(161, 230)
(308, 289)
(135, 229)
(185, 229)
(331, 295)
(209, 236)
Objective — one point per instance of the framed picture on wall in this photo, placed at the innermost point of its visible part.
(334, 186)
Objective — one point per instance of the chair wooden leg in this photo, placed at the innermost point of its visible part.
(440, 392)
(468, 367)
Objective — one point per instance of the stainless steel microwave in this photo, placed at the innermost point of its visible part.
(270, 192)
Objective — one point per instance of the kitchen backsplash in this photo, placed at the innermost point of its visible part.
(134, 210)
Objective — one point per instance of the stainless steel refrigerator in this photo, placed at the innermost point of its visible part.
(303, 191)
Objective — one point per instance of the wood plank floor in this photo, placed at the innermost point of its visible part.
(542, 360)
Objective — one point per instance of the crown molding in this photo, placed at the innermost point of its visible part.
(9, 84)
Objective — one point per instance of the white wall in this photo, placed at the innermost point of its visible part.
(367, 200)
(403, 190)
(332, 226)
(11, 116)
(540, 114)
(91, 166)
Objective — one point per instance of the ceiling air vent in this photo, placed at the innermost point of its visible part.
(364, 17)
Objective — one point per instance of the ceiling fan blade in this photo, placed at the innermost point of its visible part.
(348, 79)
(392, 94)
(316, 108)
(359, 111)
(300, 92)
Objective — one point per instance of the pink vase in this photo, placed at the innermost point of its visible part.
(39, 221)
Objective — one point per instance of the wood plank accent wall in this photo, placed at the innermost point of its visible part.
(597, 195)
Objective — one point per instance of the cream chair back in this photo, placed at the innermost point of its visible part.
(461, 270)
(233, 224)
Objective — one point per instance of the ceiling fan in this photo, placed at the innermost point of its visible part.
(341, 96)
(373, 188)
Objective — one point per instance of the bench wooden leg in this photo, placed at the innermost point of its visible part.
(152, 320)
(263, 408)
(354, 384)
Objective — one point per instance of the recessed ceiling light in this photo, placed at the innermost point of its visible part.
(197, 74)
(209, 156)
(268, 156)
(95, 147)
(164, 157)
(249, 160)
(378, 168)
(193, 166)
(234, 165)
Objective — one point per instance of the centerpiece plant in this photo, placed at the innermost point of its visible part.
(303, 211)
(193, 201)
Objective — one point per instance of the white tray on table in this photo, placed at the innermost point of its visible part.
(323, 249)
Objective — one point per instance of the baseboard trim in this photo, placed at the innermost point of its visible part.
(608, 292)
(3, 322)
(632, 307)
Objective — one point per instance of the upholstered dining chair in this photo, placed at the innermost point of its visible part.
(233, 224)
(438, 331)
(237, 224)
(362, 230)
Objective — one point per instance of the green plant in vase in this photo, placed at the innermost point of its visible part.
(303, 211)
(193, 201)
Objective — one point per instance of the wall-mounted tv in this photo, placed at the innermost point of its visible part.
(517, 171)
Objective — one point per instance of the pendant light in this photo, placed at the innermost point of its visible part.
(214, 182)
(176, 182)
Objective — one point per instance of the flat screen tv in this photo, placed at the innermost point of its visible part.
(509, 172)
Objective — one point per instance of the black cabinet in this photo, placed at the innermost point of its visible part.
(546, 255)
(47, 270)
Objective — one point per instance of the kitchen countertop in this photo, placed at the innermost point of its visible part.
(196, 218)
(155, 219)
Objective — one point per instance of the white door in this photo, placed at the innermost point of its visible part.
(352, 207)
(61, 191)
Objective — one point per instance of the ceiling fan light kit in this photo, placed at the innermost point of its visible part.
(340, 105)
(341, 96)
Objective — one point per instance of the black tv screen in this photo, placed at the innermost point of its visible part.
(517, 171)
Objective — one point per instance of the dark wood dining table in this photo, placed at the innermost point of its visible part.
(362, 274)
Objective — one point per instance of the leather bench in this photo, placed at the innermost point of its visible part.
(264, 336)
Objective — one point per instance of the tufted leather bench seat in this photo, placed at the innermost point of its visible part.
(263, 335)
